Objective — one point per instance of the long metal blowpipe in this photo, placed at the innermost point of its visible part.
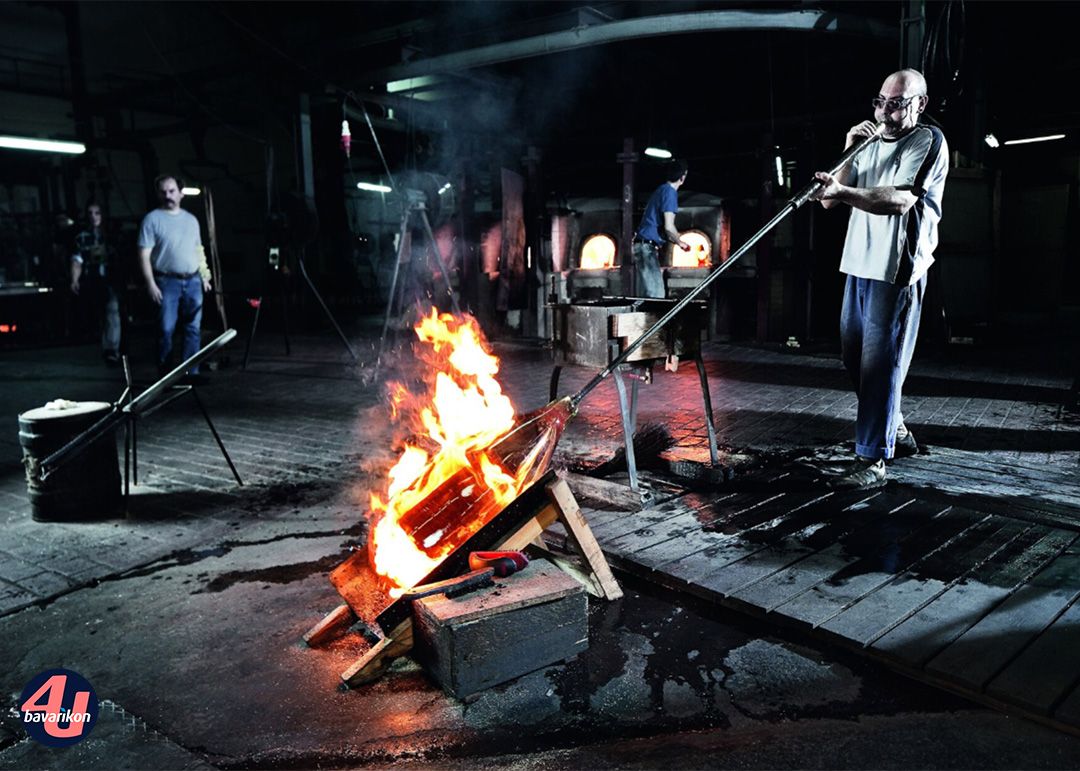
(801, 198)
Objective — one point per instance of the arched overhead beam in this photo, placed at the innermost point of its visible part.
(633, 29)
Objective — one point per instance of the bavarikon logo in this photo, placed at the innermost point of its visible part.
(58, 708)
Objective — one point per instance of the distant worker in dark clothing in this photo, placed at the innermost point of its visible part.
(94, 279)
(657, 226)
(894, 189)
(174, 267)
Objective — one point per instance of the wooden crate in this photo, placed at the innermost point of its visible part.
(525, 622)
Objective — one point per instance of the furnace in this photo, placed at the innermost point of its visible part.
(707, 228)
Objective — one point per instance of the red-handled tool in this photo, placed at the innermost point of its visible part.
(503, 563)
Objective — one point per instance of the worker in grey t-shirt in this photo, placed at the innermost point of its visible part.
(174, 266)
(894, 189)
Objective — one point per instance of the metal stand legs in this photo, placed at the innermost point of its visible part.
(629, 424)
(628, 409)
(257, 303)
(131, 422)
(710, 426)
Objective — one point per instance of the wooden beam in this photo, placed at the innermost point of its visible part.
(605, 491)
(331, 627)
(579, 533)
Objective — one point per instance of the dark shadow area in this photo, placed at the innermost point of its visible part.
(916, 385)
(980, 439)
(985, 439)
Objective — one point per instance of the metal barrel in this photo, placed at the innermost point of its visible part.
(86, 488)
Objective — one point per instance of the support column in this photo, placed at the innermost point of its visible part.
(912, 31)
(763, 249)
(626, 234)
(536, 265)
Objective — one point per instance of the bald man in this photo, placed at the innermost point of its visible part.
(894, 189)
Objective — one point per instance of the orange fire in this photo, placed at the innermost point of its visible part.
(460, 414)
(597, 252)
(698, 256)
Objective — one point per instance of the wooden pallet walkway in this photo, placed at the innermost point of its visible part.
(982, 604)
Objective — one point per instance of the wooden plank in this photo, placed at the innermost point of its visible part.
(599, 517)
(333, 625)
(670, 535)
(582, 537)
(982, 651)
(901, 597)
(784, 513)
(725, 550)
(654, 516)
(799, 561)
(825, 524)
(378, 658)
(603, 491)
(618, 523)
(904, 538)
(528, 532)
(1046, 670)
(923, 635)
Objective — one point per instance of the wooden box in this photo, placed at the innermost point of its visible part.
(525, 622)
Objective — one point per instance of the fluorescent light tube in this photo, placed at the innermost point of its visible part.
(42, 145)
(1029, 140)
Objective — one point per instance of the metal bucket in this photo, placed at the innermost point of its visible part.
(86, 487)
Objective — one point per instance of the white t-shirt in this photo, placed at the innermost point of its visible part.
(898, 248)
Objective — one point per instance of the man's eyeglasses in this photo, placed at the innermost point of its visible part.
(892, 105)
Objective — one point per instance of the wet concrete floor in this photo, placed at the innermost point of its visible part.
(192, 638)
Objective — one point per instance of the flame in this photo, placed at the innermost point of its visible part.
(699, 254)
(461, 413)
(597, 252)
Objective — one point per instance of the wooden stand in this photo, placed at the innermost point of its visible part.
(590, 568)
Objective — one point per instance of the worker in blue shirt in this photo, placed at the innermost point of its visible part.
(657, 226)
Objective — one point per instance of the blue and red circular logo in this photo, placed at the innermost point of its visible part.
(58, 708)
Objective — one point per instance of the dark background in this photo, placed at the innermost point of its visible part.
(215, 93)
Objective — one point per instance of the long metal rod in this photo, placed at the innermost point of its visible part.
(139, 405)
(801, 198)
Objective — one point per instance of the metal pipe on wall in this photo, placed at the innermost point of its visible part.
(633, 29)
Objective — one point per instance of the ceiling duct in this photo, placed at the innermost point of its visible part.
(605, 32)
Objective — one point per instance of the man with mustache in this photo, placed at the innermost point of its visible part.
(174, 267)
(894, 189)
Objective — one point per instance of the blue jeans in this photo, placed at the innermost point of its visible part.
(650, 280)
(181, 300)
(878, 326)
